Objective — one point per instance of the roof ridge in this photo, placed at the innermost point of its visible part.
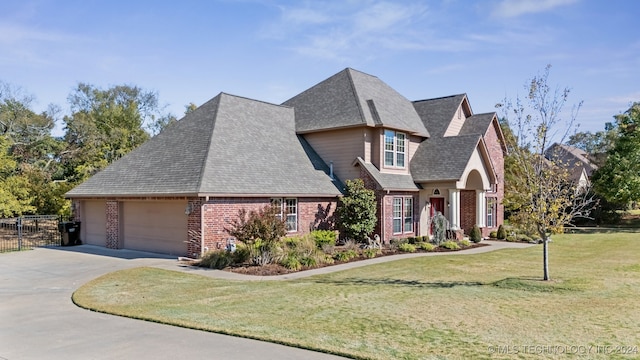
(213, 126)
(355, 94)
(440, 98)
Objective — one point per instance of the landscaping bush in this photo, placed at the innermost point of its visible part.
(476, 235)
(260, 230)
(493, 234)
(370, 253)
(356, 211)
(351, 245)
(501, 234)
(292, 262)
(345, 255)
(511, 238)
(324, 237)
(450, 244)
(426, 246)
(465, 243)
(406, 247)
(413, 240)
(308, 261)
(216, 259)
(242, 254)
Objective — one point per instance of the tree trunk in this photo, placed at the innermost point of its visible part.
(545, 258)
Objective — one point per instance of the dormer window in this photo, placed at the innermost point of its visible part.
(394, 149)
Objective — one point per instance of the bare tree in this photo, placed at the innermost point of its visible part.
(544, 192)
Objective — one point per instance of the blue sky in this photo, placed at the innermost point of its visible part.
(189, 51)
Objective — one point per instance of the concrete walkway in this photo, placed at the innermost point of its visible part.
(220, 274)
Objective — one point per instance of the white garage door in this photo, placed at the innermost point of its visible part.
(156, 226)
(93, 228)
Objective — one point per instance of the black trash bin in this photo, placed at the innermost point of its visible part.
(70, 232)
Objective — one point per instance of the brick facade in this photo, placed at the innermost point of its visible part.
(467, 210)
(496, 153)
(113, 224)
(313, 213)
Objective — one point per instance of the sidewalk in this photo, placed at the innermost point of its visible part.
(220, 274)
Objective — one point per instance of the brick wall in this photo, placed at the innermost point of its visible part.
(467, 210)
(313, 213)
(494, 147)
(113, 224)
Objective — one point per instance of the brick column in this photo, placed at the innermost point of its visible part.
(113, 224)
(194, 227)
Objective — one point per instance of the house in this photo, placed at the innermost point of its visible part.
(574, 159)
(178, 192)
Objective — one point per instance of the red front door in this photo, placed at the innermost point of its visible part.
(437, 204)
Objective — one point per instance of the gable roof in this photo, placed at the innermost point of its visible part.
(571, 156)
(353, 98)
(443, 158)
(228, 146)
(436, 114)
(386, 181)
(477, 124)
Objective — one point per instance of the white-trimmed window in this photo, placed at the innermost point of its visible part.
(395, 145)
(288, 211)
(402, 215)
(491, 212)
(408, 214)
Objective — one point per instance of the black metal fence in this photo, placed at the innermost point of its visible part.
(30, 231)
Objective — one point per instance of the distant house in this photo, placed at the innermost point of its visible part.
(177, 193)
(574, 159)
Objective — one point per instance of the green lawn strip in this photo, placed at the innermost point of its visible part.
(452, 306)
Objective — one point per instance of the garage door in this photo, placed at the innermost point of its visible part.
(93, 228)
(156, 226)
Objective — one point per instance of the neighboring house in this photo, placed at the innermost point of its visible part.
(178, 192)
(574, 159)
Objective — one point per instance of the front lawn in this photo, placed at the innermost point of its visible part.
(489, 305)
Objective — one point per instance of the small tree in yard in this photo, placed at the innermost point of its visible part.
(260, 230)
(542, 191)
(356, 213)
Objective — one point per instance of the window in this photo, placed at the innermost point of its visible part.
(408, 214)
(491, 212)
(402, 214)
(397, 215)
(289, 211)
(394, 149)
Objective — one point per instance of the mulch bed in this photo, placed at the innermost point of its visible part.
(276, 269)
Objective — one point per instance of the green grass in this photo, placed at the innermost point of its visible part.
(446, 307)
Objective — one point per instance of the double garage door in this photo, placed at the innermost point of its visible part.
(155, 226)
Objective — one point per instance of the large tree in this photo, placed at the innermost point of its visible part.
(618, 180)
(105, 125)
(542, 191)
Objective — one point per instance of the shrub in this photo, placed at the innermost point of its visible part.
(413, 240)
(216, 259)
(345, 255)
(465, 243)
(324, 237)
(476, 235)
(450, 244)
(351, 245)
(439, 225)
(493, 234)
(242, 254)
(292, 262)
(523, 237)
(426, 246)
(260, 230)
(501, 233)
(308, 261)
(406, 247)
(511, 238)
(370, 253)
(356, 211)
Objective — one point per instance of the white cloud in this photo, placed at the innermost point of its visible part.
(515, 8)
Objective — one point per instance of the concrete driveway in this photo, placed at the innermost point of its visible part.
(39, 321)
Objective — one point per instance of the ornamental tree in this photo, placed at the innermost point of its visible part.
(356, 211)
(543, 192)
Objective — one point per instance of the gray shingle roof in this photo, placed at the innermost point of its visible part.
(389, 181)
(443, 158)
(436, 114)
(230, 145)
(477, 124)
(352, 98)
